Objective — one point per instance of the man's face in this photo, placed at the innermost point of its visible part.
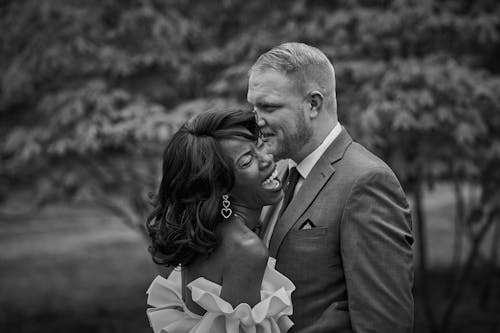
(281, 112)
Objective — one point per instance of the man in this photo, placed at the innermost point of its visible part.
(345, 237)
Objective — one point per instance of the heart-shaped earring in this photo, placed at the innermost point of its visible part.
(226, 211)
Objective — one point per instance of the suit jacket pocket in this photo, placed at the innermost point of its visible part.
(310, 248)
(317, 233)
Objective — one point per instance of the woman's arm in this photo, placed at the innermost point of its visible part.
(244, 269)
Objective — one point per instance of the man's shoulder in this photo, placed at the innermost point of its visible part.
(359, 153)
(359, 161)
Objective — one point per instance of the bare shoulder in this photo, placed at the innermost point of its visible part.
(244, 263)
(240, 244)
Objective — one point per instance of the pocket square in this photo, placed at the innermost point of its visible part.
(307, 225)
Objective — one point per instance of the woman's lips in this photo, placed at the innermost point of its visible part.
(272, 182)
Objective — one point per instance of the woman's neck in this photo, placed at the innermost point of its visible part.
(249, 215)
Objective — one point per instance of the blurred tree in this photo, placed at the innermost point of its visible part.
(84, 94)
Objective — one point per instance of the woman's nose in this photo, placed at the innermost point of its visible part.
(265, 159)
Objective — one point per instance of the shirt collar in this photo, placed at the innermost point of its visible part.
(306, 165)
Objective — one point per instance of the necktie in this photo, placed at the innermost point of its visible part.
(293, 178)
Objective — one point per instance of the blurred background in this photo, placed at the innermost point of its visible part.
(91, 91)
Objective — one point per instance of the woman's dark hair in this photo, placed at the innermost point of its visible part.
(195, 176)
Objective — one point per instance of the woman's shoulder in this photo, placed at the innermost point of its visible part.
(239, 242)
(245, 256)
(238, 245)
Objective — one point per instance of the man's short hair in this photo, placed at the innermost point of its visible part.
(309, 65)
(290, 57)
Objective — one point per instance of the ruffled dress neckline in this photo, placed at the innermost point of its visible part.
(170, 314)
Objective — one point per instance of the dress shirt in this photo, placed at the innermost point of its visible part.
(304, 168)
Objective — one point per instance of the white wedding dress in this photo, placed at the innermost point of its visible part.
(168, 313)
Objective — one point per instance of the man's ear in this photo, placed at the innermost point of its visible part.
(315, 103)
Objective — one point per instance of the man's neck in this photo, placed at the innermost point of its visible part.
(316, 141)
(306, 165)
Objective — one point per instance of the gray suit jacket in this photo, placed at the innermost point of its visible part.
(354, 270)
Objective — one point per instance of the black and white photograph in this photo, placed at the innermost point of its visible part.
(236, 166)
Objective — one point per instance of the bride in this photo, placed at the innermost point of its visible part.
(216, 179)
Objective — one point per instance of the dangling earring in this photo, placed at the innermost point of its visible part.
(226, 211)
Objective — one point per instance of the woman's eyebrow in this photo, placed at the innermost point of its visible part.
(246, 152)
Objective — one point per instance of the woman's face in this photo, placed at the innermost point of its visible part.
(255, 175)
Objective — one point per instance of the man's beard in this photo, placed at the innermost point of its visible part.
(293, 143)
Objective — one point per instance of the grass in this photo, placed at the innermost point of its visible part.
(78, 269)
(474, 313)
(89, 274)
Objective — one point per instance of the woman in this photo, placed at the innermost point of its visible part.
(216, 179)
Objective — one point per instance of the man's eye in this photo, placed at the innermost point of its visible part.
(270, 107)
(265, 107)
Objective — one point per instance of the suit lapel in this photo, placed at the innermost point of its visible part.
(317, 178)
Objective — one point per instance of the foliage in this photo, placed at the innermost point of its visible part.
(91, 91)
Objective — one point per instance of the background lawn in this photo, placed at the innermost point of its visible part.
(72, 269)
(78, 269)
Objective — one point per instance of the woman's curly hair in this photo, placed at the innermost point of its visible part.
(195, 176)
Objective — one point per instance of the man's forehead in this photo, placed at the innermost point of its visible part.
(262, 95)
(268, 84)
(262, 76)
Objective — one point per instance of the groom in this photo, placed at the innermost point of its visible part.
(343, 232)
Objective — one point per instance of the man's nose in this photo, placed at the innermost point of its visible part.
(261, 122)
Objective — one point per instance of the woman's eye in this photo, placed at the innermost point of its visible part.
(245, 161)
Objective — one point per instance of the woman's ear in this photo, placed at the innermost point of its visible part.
(315, 103)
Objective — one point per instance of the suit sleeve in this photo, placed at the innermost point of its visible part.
(376, 249)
